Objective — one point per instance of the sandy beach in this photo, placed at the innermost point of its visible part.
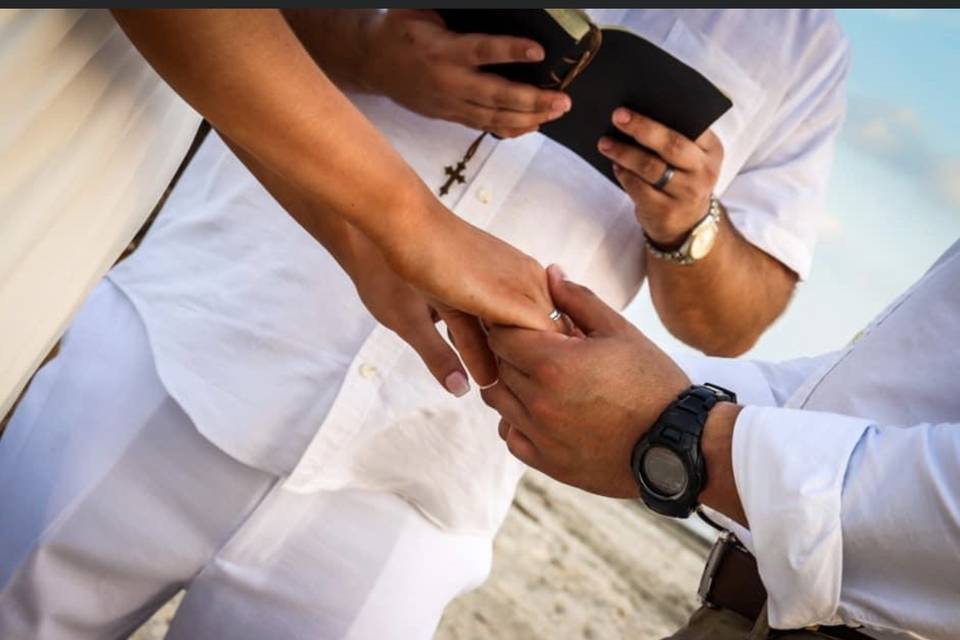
(570, 565)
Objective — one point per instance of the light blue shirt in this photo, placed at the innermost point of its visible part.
(848, 467)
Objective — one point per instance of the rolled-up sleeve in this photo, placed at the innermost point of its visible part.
(789, 466)
(852, 522)
(776, 200)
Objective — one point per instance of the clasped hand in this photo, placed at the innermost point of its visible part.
(573, 406)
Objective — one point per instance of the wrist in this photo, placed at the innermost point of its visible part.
(694, 244)
(716, 444)
(413, 220)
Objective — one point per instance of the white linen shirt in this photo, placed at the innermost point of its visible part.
(90, 137)
(847, 468)
(262, 339)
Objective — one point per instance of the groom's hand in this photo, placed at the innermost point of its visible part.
(574, 406)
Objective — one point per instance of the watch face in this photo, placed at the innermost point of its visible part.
(702, 240)
(663, 472)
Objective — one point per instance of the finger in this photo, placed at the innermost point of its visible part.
(490, 118)
(709, 141)
(471, 342)
(675, 149)
(640, 162)
(522, 448)
(644, 194)
(524, 348)
(518, 383)
(478, 49)
(440, 358)
(503, 401)
(490, 90)
(583, 306)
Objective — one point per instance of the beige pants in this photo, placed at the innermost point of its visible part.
(721, 624)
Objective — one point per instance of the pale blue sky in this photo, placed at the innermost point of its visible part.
(894, 199)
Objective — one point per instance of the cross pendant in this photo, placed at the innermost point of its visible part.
(454, 175)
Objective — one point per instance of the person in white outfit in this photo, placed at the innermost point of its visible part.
(229, 417)
(91, 136)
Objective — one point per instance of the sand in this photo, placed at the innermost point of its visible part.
(570, 565)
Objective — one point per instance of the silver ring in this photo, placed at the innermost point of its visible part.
(555, 314)
(664, 179)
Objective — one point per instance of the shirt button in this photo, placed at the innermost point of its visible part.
(484, 195)
(367, 371)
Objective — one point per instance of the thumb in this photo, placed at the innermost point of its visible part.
(588, 312)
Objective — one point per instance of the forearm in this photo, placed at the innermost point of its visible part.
(247, 73)
(722, 303)
(345, 242)
(338, 40)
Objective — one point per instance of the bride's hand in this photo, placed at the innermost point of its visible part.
(468, 274)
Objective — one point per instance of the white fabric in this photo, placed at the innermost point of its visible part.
(112, 502)
(90, 137)
(852, 487)
(259, 336)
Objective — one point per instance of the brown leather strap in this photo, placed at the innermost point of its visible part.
(736, 586)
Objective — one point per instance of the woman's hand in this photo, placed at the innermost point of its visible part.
(404, 310)
(470, 276)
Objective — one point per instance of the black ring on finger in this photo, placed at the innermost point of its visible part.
(661, 184)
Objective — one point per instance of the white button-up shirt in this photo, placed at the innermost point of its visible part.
(848, 467)
(262, 339)
(90, 137)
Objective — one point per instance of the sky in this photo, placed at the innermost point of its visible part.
(894, 199)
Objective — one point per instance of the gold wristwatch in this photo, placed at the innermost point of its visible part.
(699, 241)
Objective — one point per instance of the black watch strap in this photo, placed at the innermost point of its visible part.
(678, 430)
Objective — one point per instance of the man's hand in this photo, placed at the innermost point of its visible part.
(574, 406)
(666, 215)
(415, 60)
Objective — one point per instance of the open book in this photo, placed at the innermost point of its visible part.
(600, 69)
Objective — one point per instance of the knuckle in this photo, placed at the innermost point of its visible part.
(482, 51)
(649, 165)
(711, 172)
(548, 372)
(540, 408)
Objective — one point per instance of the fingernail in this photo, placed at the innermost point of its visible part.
(534, 54)
(457, 384)
(560, 272)
(561, 104)
(605, 144)
(621, 116)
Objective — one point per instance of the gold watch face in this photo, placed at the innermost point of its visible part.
(703, 239)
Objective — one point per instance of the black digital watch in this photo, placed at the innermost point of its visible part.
(667, 462)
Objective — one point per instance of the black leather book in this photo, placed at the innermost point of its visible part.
(600, 69)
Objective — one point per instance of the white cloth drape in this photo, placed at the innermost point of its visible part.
(90, 137)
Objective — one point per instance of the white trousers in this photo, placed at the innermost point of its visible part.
(112, 501)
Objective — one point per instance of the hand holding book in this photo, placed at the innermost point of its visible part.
(420, 64)
(621, 70)
(666, 212)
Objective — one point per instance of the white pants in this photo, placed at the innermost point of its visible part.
(112, 501)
